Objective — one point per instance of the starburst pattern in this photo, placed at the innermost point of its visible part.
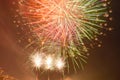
(64, 27)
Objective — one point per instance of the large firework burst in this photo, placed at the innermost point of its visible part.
(64, 27)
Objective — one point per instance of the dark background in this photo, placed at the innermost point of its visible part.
(103, 63)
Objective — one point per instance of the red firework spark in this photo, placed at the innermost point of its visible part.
(52, 19)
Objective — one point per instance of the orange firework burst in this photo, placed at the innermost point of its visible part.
(65, 27)
(52, 19)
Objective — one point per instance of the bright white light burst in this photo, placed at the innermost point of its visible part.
(49, 62)
(60, 64)
(36, 60)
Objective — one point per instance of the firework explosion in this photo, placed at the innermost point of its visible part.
(64, 27)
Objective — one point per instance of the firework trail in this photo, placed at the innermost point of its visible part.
(64, 27)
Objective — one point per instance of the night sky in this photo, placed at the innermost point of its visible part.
(103, 63)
